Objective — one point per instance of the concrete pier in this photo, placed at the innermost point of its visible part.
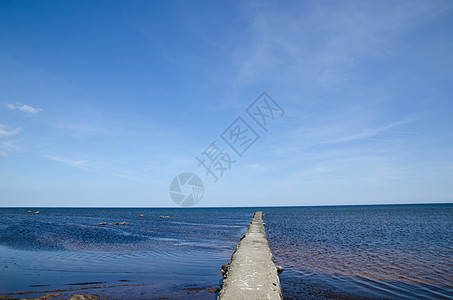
(251, 273)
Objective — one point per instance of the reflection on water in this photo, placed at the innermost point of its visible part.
(369, 251)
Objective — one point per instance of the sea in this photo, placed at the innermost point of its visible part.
(329, 252)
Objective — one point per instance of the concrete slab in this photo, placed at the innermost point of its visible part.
(251, 273)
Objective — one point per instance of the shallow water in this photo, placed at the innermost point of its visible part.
(327, 252)
(59, 249)
(398, 251)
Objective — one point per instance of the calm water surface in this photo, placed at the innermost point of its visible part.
(327, 252)
(395, 251)
(66, 249)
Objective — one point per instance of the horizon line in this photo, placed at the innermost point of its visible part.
(264, 206)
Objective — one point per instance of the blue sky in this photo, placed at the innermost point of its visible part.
(103, 103)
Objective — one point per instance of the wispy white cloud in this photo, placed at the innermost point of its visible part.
(365, 133)
(9, 146)
(6, 133)
(11, 106)
(324, 44)
(103, 168)
(29, 109)
(70, 162)
(343, 152)
(6, 147)
(23, 107)
(341, 132)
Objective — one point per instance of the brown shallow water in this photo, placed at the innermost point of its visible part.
(364, 251)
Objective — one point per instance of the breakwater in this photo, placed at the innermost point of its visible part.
(251, 273)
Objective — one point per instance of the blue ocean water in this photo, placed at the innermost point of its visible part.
(61, 249)
(349, 252)
(376, 252)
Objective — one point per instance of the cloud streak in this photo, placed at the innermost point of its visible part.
(105, 168)
(23, 107)
(6, 133)
(71, 162)
(367, 133)
(325, 44)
